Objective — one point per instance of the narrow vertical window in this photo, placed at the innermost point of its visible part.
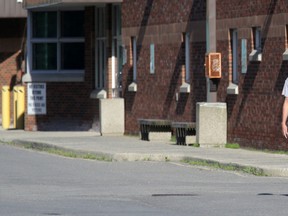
(234, 45)
(185, 70)
(257, 39)
(244, 55)
(117, 51)
(285, 54)
(133, 62)
(256, 54)
(286, 36)
(134, 53)
(187, 57)
(100, 54)
(152, 58)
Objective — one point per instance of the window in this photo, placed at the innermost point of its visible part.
(101, 53)
(152, 58)
(234, 46)
(55, 44)
(72, 24)
(257, 39)
(133, 58)
(187, 57)
(256, 54)
(233, 72)
(117, 51)
(285, 54)
(45, 56)
(44, 24)
(185, 87)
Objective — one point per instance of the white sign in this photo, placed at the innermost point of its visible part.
(36, 93)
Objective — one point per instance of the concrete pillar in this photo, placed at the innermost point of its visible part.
(211, 124)
(210, 41)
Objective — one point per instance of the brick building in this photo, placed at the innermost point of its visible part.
(252, 37)
(151, 54)
(12, 43)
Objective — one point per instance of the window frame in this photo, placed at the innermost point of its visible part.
(58, 74)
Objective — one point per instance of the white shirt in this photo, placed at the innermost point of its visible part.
(285, 88)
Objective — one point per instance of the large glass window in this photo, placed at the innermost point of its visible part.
(45, 56)
(72, 24)
(57, 41)
(70, 58)
(44, 24)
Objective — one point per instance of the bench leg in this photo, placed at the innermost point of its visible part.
(144, 132)
(181, 136)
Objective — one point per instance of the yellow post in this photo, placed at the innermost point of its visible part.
(15, 96)
(5, 107)
(20, 107)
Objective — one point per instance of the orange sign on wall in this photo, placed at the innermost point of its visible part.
(213, 67)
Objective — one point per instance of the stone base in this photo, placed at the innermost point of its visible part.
(160, 136)
(112, 116)
(211, 124)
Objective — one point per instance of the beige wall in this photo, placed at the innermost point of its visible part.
(35, 3)
(11, 9)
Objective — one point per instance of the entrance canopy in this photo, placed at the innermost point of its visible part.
(29, 4)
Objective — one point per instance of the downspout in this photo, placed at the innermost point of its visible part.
(210, 42)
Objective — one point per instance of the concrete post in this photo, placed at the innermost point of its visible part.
(112, 116)
(211, 124)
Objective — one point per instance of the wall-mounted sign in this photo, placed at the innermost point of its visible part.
(213, 65)
(36, 98)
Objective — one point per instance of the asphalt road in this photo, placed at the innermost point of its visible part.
(33, 183)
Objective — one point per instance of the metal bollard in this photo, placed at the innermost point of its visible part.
(19, 107)
(5, 107)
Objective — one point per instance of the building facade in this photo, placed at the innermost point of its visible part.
(252, 38)
(152, 55)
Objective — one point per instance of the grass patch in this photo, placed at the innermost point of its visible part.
(173, 138)
(61, 152)
(232, 145)
(227, 167)
(197, 145)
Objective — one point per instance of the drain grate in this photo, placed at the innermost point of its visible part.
(51, 214)
(265, 194)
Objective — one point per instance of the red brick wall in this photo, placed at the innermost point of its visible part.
(232, 9)
(254, 116)
(156, 93)
(155, 12)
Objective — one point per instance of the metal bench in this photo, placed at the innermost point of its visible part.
(153, 125)
(183, 129)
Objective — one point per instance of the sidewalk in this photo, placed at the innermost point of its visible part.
(123, 148)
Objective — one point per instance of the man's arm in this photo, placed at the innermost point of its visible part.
(284, 118)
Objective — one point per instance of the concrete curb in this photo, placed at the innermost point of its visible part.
(131, 157)
(44, 147)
